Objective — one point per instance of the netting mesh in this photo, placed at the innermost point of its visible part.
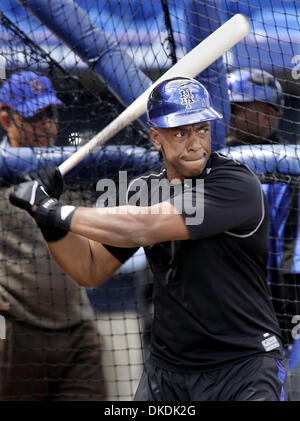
(99, 58)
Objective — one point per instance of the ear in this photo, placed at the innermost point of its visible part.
(155, 138)
(5, 120)
(269, 114)
(273, 117)
(272, 111)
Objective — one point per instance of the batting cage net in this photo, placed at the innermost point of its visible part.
(100, 55)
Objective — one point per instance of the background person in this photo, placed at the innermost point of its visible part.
(215, 335)
(52, 349)
(257, 101)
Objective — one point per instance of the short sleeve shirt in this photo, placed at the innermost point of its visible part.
(211, 300)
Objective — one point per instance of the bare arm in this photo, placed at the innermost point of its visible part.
(82, 256)
(80, 253)
(130, 226)
(84, 260)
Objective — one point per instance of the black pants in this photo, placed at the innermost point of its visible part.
(255, 379)
(40, 364)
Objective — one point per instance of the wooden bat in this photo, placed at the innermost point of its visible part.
(193, 63)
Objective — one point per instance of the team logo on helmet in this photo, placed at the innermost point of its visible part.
(178, 102)
(36, 85)
(187, 98)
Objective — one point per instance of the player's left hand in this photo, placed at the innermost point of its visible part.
(51, 179)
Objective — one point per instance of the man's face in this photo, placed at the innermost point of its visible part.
(185, 149)
(250, 123)
(39, 130)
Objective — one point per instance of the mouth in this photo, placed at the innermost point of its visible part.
(44, 140)
(193, 158)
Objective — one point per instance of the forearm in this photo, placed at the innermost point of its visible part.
(130, 226)
(87, 263)
(98, 224)
(81, 253)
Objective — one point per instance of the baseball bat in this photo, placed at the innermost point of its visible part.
(193, 63)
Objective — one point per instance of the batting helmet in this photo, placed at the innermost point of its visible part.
(249, 85)
(178, 102)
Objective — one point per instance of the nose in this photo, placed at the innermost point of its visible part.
(48, 122)
(194, 143)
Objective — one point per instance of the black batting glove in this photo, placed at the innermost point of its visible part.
(28, 196)
(51, 179)
(46, 210)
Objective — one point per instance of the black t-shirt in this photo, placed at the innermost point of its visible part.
(211, 298)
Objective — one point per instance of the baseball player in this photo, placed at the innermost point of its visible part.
(257, 102)
(214, 335)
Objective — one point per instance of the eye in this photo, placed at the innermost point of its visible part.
(179, 134)
(204, 130)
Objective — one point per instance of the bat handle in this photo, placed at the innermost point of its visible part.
(73, 160)
(108, 132)
(134, 111)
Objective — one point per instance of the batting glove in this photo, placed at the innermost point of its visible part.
(47, 211)
(51, 179)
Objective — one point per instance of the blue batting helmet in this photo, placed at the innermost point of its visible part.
(250, 85)
(178, 102)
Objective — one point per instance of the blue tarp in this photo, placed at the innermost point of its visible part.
(274, 39)
(103, 162)
(272, 159)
